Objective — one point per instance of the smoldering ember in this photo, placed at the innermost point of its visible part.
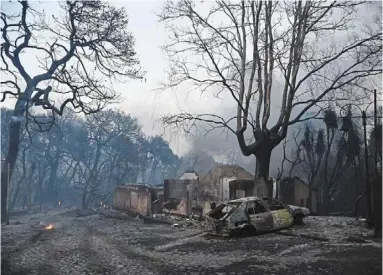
(191, 137)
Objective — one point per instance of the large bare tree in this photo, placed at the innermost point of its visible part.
(314, 48)
(79, 52)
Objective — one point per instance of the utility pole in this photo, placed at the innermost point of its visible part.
(376, 135)
(8, 181)
(377, 182)
(368, 189)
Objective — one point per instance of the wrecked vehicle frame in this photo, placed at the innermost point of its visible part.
(252, 215)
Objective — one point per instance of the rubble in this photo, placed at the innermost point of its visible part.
(356, 239)
(100, 244)
(332, 229)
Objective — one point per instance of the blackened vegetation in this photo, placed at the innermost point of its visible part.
(90, 45)
(79, 162)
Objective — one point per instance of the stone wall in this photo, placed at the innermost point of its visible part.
(295, 192)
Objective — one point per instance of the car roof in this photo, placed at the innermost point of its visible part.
(245, 199)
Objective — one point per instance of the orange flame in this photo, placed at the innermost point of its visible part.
(49, 227)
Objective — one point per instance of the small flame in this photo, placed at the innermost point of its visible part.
(49, 227)
(59, 202)
(101, 202)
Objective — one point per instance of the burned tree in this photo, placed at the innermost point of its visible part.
(241, 49)
(294, 159)
(314, 149)
(78, 52)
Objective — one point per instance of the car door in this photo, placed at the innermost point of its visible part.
(282, 218)
(282, 215)
(260, 216)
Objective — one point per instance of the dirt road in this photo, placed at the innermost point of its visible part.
(96, 244)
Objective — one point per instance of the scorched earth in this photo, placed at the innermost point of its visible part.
(101, 243)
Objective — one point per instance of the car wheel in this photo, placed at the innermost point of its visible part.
(247, 231)
(298, 219)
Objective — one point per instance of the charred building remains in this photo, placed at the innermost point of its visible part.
(138, 198)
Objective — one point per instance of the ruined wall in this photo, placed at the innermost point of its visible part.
(158, 202)
(224, 191)
(174, 188)
(179, 196)
(241, 188)
(301, 195)
(189, 176)
(314, 202)
(206, 207)
(132, 198)
(121, 198)
(176, 207)
(287, 191)
(144, 202)
(207, 191)
(215, 184)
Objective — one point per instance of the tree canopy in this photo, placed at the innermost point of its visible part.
(293, 56)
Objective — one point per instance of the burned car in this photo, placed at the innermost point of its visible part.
(299, 212)
(252, 215)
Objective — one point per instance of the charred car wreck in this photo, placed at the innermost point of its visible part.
(252, 215)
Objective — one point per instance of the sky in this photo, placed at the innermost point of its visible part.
(141, 99)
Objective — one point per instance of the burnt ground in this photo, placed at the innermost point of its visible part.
(96, 244)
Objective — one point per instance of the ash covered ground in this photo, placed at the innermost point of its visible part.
(100, 243)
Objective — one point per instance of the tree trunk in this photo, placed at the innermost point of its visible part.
(326, 200)
(40, 182)
(43, 192)
(13, 145)
(27, 193)
(325, 188)
(263, 166)
(318, 199)
(52, 179)
(13, 198)
(377, 214)
(83, 198)
(310, 206)
(90, 184)
(153, 172)
(10, 160)
(355, 182)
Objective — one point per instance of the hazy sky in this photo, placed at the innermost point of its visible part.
(140, 99)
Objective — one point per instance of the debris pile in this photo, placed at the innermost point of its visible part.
(180, 221)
